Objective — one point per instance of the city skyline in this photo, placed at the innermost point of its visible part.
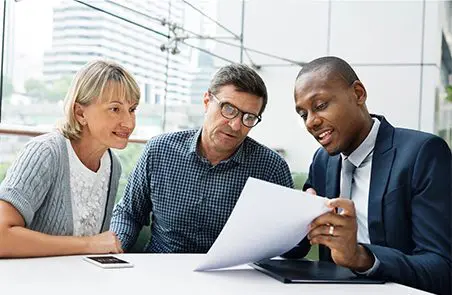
(35, 45)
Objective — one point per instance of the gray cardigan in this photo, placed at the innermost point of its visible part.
(38, 185)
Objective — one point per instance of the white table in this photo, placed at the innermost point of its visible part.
(157, 274)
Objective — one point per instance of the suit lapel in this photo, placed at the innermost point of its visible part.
(382, 161)
(331, 191)
(333, 177)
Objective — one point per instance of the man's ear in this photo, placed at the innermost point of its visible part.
(205, 100)
(360, 92)
(79, 113)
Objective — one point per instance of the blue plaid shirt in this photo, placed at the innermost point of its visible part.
(189, 198)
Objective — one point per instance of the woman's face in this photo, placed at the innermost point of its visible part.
(108, 122)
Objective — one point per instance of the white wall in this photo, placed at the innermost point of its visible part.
(393, 46)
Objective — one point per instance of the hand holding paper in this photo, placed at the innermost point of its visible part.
(268, 220)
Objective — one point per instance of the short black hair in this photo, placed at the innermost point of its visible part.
(243, 78)
(332, 65)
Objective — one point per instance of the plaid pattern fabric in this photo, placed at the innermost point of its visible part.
(190, 200)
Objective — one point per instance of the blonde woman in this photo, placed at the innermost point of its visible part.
(58, 195)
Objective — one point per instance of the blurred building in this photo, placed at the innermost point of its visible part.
(9, 42)
(81, 33)
(201, 76)
(203, 63)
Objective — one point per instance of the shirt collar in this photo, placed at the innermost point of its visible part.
(358, 156)
(194, 141)
(238, 156)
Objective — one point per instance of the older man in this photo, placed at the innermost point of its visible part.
(191, 180)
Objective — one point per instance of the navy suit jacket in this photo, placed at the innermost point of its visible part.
(409, 212)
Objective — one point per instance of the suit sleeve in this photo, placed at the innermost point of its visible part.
(311, 179)
(428, 267)
(281, 175)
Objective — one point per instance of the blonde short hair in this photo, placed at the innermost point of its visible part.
(89, 84)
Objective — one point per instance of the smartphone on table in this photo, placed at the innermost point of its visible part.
(108, 261)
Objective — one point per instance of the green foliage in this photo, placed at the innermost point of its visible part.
(299, 178)
(59, 89)
(3, 168)
(35, 88)
(128, 157)
(55, 92)
(313, 253)
(449, 92)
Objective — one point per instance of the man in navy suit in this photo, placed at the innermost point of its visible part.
(393, 220)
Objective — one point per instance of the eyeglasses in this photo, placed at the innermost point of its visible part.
(230, 111)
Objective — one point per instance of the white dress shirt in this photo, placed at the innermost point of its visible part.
(362, 159)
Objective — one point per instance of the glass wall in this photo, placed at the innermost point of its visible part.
(47, 41)
(53, 39)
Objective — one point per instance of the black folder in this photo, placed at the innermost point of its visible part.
(311, 272)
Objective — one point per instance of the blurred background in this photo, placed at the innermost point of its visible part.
(401, 50)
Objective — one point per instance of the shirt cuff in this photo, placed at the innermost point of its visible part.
(372, 269)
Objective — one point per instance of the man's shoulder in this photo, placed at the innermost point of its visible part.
(404, 134)
(404, 137)
(172, 139)
(322, 156)
(413, 142)
(256, 149)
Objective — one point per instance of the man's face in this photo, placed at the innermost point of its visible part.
(332, 110)
(225, 135)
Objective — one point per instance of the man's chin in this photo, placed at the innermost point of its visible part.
(332, 151)
(228, 146)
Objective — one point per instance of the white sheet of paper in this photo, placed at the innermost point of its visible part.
(268, 220)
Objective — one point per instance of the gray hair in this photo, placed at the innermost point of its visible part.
(90, 83)
(243, 78)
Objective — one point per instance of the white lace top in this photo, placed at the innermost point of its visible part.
(88, 193)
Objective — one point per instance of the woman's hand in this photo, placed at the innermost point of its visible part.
(106, 242)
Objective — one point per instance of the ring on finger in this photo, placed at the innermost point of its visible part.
(331, 230)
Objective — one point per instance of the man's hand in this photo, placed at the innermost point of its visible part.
(311, 191)
(339, 233)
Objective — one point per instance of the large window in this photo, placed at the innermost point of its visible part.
(47, 41)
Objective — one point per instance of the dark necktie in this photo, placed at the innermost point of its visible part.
(346, 178)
